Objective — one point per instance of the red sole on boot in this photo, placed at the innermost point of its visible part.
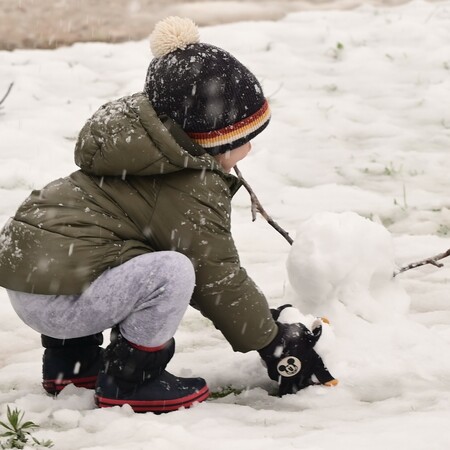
(56, 386)
(157, 406)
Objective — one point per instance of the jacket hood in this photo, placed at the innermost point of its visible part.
(126, 137)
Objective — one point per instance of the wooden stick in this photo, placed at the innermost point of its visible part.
(257, 207)
(432, 260)
(7, 93)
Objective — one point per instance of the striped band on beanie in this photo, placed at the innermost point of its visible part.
(235, 132)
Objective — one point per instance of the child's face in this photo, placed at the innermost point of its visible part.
(229, 159)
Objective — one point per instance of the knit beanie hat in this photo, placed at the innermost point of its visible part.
(214, 98)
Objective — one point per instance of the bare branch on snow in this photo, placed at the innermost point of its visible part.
(257, 207)
(432, 260)
(7, 93)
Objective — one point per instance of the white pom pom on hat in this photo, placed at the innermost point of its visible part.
(173, 33)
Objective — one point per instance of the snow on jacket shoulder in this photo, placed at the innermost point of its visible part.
(126, 137)
(143, 186)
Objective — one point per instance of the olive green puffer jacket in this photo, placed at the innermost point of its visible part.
(143, 186)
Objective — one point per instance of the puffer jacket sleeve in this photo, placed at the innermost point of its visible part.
(196, 222)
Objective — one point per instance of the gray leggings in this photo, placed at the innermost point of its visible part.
(147, 296)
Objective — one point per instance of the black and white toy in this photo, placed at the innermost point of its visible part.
(291, 359)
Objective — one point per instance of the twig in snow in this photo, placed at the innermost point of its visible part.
(433, 261)
(7, 93)
(257, 207)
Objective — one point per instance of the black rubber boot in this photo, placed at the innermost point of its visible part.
(138, 378)
(71, 361)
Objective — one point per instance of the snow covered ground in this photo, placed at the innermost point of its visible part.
(361, 124)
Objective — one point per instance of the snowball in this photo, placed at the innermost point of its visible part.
(345, 259)
(171, 34)
(291, 315)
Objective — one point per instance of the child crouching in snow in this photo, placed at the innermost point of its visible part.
(143, 229)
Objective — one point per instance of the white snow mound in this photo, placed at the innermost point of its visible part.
(345, 259)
